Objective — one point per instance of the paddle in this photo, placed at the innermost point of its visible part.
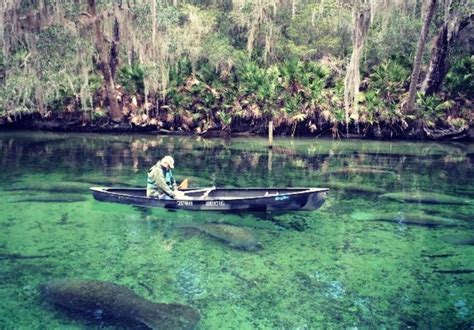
(184, 184)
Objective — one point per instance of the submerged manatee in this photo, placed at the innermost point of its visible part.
(59, 198)
(234, 236)
(425, 197)
(361, 170)
(415, 218)
(349, 186)
(462, 239)
(118, 301)
(60, 187)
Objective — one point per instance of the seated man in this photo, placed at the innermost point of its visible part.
(160, 181)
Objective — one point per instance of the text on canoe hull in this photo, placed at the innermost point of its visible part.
(208, 203)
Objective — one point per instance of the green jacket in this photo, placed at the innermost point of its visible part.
(160, 181)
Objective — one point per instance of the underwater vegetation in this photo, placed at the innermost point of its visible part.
(233, 236)
(190, 281)
(109, 299)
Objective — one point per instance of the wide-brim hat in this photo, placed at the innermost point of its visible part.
(168, 160)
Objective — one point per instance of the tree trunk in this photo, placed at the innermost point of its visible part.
(418, 56)
(113, 55)
(106, 64)
(352, 79)
(438, 65)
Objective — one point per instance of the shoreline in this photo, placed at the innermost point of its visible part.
(411, 133)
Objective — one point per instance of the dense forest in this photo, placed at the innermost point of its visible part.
(374, 68)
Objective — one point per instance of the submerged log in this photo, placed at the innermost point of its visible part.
(425, 197)
(118, 301)
(233, 236)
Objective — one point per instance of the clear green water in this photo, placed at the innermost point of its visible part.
(337, 267)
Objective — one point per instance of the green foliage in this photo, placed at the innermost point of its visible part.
(372, 106)
(389, 80)
(208, 74)
(221, 55)
(317, 30)
(179, 72)
(460, 77)
(178, 100)
(131, 78)
(56, 46)
(389, 73)
(201, 68)
(261, 83)
(431, 108)
(392, 36)
(95, 83)
(225, 118)
(169, 16)
(292, 104)
(17, 95)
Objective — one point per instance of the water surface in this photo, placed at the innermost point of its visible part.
(356, 262)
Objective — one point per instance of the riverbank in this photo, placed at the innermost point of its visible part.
(377, 131)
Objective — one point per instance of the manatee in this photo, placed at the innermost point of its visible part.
(118, 301)
(64, 187)
(454, 271)
(15, 256)
(60, 198)
(425, 197)
(349, 186)
(361, 170)
(415, 218)
(458, 239)
(233, 236)
(107, 181)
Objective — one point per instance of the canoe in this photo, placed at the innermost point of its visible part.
(221, 199)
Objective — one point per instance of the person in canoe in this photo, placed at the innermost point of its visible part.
(160, 181)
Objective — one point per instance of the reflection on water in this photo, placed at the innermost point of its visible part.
(363, 260)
